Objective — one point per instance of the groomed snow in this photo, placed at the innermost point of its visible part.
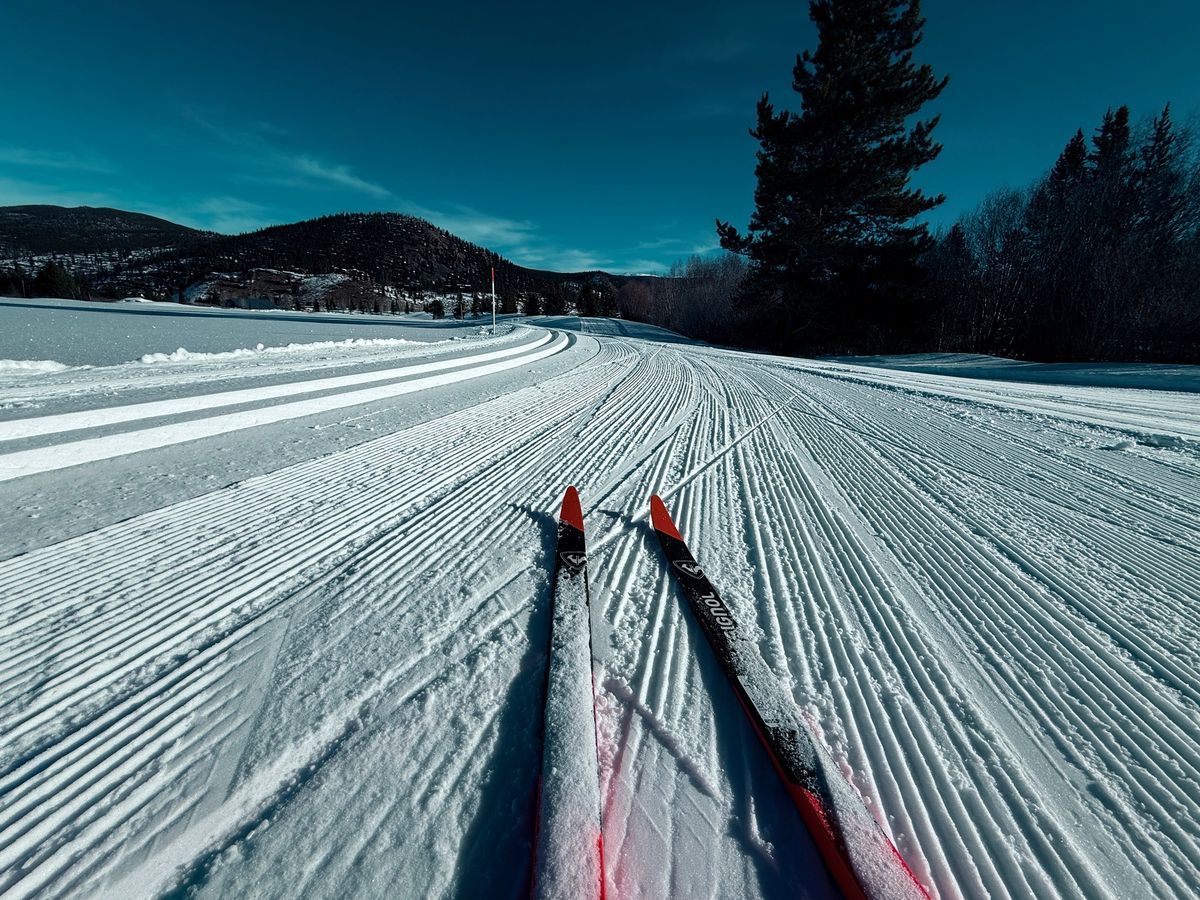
(307, 656)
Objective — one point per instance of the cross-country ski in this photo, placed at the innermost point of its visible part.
(861, 859)
(569, 851)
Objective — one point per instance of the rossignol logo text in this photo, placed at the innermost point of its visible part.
(718, 610)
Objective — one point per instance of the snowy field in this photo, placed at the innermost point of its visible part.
(274, 623)
(81, 333)
(1157, 377)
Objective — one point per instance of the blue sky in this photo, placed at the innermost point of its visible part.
(565, 136)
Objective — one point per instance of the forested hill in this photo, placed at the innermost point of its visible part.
(85, 229)
(112, 253)
(386, 248)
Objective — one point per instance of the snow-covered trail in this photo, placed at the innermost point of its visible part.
(325, 678)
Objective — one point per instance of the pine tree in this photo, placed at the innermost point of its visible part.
(1111, 143)
(1113, 173)
(1071, 165)
(54, 281)
(606, 302)
(12, 283)
(1165, 218)
(1163, 196)
(952, 284)
(585, 303)
(20, 281)
(1058, 246)
(1053, 217)
(833, 220)
(555, 301)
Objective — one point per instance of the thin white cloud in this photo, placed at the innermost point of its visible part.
(658, 243)
(310, 168)
(656, 255)
(519, 240)
(306, 172)
(16, 192)
(251, 135)
(523, 242)
(254, 149)
(257, 151)
(643, 267)
(472, 225)
(229, 215)
(52, 159)
(562, 260)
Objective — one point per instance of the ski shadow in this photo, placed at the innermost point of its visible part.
(496, 855)
(764, 821)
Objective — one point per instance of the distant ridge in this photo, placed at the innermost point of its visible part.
(84, 229)
(113, 253)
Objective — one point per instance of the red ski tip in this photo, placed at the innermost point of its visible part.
(661, 519)
(571, 512)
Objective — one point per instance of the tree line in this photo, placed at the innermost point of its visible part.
(51, 280)
(1098, 260)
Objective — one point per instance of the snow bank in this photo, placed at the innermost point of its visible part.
(185, 355)
(23, 367)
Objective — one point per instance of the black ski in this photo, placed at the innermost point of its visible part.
(847, 836)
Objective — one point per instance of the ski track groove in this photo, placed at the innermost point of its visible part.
(905, 743)
(949, 554)
(948, 575)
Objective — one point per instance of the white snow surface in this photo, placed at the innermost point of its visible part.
(77, 332)
(10, 368)
(305, 654)
(184, 355)
(1154, 376)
